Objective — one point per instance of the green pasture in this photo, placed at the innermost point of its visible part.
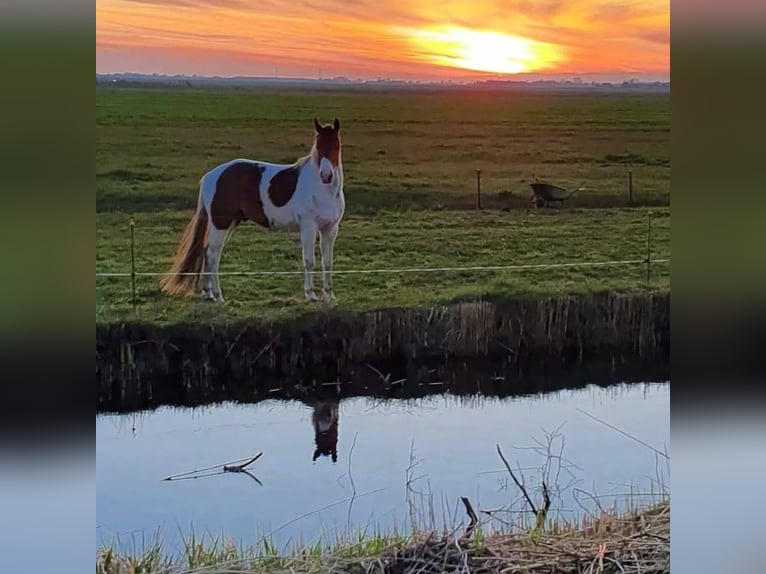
(410, 159)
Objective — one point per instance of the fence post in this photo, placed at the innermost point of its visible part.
(478, 189)
(649, 251)
(133, 262)
(630, 186)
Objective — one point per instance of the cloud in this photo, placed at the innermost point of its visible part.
(199, 4)
(338, 35)
(657, 36)
(532, 9)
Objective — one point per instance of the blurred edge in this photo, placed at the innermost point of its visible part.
(718, 313)
(719, 271)
(47, 484)
(718, 423)
(48, 225)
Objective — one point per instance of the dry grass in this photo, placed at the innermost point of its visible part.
(633, 542)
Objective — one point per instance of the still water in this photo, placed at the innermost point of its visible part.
(398, 460)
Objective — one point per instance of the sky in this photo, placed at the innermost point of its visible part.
(422, 40)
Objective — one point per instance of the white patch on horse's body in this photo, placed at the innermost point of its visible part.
(323, 424)
(312, 199)
(306, 195)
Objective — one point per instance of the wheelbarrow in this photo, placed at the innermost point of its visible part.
(543, 194)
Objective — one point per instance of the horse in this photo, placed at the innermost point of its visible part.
(307, 195)
(324, 418)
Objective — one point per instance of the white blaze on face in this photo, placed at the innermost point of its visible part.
(326, 170)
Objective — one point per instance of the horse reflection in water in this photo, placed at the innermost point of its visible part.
(324, 418)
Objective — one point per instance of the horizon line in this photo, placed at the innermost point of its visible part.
(572, 79)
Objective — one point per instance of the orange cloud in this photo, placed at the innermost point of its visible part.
(368, 38)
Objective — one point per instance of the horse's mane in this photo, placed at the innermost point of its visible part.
(301, 161)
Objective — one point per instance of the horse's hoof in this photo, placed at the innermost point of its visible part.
(329, 297)
(311, 297)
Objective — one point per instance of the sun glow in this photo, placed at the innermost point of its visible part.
(484, 51)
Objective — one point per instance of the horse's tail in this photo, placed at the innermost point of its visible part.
(189, 257)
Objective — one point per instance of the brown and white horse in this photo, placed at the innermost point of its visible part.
(324, 419)
(307, 195)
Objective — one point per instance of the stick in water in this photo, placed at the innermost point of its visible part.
(241, 467)
(231, 466)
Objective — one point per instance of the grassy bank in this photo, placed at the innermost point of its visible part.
(410, 161)
(632, 542)
(388, 240)
(141, 362)
(392, 378)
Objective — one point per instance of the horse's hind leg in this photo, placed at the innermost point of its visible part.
(207, 277)
(217, 277)
(216, 241)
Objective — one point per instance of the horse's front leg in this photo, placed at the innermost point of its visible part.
(328, 245)
(308, 244)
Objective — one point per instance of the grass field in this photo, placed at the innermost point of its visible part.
(410, 160)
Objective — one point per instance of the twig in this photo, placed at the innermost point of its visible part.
(542, 515)
(255, 478)
(223, 466)
(241, 467)
(382, 378)
(471, 514)
(622, 432)
(513, 476)
(351, 480)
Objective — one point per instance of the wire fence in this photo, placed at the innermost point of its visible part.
(399, 270)
(647, 261)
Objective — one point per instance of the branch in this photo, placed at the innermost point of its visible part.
(241, 467)
(471, 514)
(542, 515)
(513, 476)
(227, 467)
(622, 432)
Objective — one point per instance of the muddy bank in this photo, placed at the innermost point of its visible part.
(143, 365)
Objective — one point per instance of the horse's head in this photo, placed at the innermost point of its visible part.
(327, 145)
(331, 451)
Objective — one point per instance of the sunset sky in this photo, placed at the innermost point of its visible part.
(403, 39)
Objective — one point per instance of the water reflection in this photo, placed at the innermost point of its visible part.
(389, 379)
(324, 418)
(452, 439)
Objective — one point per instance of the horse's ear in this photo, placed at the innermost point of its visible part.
(336, 125)
(317, 126)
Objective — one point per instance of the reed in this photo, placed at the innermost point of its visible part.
(634, 541)
(140, 365)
